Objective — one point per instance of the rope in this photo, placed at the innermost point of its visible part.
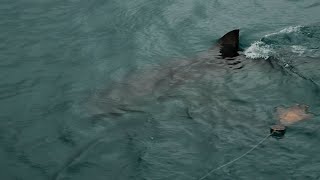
(236, 159)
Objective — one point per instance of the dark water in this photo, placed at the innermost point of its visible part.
(61, 60)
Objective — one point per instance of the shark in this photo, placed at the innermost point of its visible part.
(223, 70)
(176, 111)
(155, 83)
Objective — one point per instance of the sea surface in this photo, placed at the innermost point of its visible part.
(64, 63)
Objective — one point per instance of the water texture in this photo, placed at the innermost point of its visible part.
(85, 89)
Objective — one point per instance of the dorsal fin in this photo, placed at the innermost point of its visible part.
(229, 44)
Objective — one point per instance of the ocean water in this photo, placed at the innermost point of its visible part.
(85, 89)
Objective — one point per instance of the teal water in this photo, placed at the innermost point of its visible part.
(60, 61)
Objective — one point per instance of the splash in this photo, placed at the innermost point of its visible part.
(298, 49)
(257, 50)
(293, 114)
(263, 50)
(290, 29)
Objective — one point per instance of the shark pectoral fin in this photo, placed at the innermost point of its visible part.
(229, 44)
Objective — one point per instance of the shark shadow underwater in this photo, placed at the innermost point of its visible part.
(173, 120)
(221, 77)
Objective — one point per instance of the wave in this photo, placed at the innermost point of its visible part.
(290, 29)
(290, 41)
(298, 49)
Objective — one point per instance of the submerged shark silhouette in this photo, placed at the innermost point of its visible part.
(155, 82)
(161, 82)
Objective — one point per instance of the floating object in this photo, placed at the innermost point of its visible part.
(277, 130)
(293, 114)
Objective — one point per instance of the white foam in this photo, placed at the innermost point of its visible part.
(257, 50)
(286, 30)
(291, 29)
(298, 49)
